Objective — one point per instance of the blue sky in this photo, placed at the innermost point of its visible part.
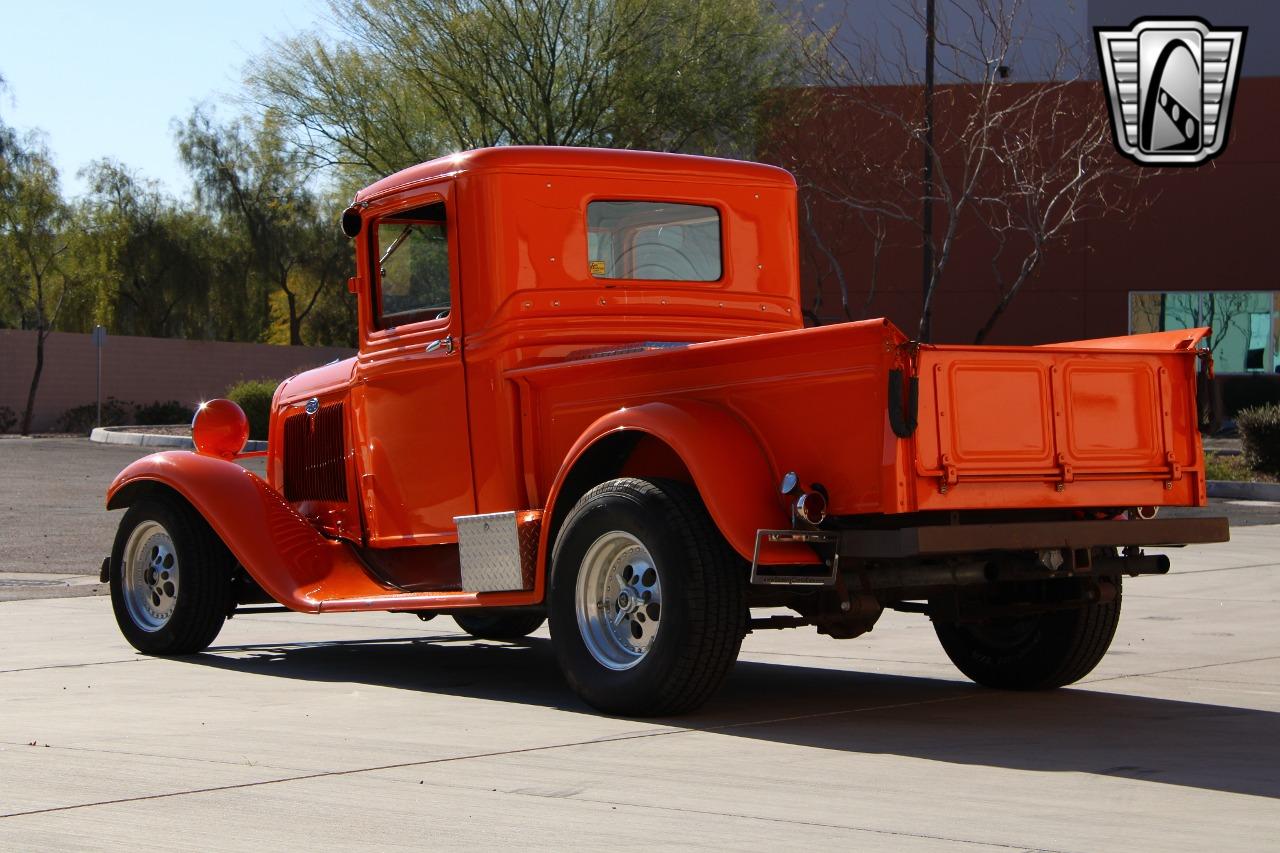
(107, 79)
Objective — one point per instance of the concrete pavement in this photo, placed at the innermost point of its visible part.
(54, 530)
(380, 732)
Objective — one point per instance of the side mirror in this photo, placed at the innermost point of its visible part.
(353, 285)
(351, 221)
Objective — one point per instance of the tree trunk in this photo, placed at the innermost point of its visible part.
(991, 322)
(295, 322)
(1029, 265)
(35, 382)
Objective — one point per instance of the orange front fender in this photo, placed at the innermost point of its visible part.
(728, 465)
(277, 547)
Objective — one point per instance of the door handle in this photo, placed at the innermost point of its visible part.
(446, 342)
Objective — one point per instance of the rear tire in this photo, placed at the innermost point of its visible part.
(1038, 652)
(648, 602)
(499, 626)
(171, 578)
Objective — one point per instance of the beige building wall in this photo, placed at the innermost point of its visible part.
(138, 370)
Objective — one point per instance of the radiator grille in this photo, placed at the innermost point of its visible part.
(314, 469)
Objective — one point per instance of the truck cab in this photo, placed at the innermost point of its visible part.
(473, 266)
(583, 391)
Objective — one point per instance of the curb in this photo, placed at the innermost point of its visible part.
(1243, 491)
(1239, 490)
(119, 435)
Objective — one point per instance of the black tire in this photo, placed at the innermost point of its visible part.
(202, 597)
(1038, 652)
(499, 626)
(702, 590)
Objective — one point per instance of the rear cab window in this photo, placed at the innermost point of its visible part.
(654, 241)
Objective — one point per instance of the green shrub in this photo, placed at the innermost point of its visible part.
(254, 396)
(168, 412)
(8, 419)
(1227, 466)
(84, 418)
(1260, 437)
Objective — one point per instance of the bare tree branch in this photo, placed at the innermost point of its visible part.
(1022, 162)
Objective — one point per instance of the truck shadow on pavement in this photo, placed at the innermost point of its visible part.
(1214, 747)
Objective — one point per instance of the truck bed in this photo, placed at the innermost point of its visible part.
(888, 426)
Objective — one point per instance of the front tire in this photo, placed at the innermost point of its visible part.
(171, 579)
(1037, 652)
(648, 602)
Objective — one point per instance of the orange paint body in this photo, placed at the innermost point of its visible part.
(539, 382)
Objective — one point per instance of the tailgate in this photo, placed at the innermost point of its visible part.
(1110, 422)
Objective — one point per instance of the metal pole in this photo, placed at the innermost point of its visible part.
(926, 217)
(97, 332)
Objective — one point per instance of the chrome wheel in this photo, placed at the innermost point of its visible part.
(618, 600)
(150, 576)
(647, 602)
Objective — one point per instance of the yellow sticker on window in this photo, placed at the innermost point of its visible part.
(597, 267)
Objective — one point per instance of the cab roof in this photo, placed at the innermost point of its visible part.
(551, 159)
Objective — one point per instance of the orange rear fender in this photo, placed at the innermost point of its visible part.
(726, 462)
(287, 557)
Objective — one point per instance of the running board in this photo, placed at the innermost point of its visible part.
(429, 601)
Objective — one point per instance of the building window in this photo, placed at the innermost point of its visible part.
(1245, 323)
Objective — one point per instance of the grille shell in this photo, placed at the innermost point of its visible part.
(314, 455)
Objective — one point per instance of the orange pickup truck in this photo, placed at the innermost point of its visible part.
(584, 393)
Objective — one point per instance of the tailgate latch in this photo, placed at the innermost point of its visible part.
(950, 476)
(1068, 474)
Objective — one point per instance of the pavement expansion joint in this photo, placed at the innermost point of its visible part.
(138, 659)
(1225, 569)
(156, 755)
(1176, 669)
(576, 797)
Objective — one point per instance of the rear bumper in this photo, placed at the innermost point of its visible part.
(941, 540)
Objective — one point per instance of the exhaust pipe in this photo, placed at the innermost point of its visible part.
(1153, 564)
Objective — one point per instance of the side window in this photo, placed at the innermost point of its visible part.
(654, 241)
(413, 266)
